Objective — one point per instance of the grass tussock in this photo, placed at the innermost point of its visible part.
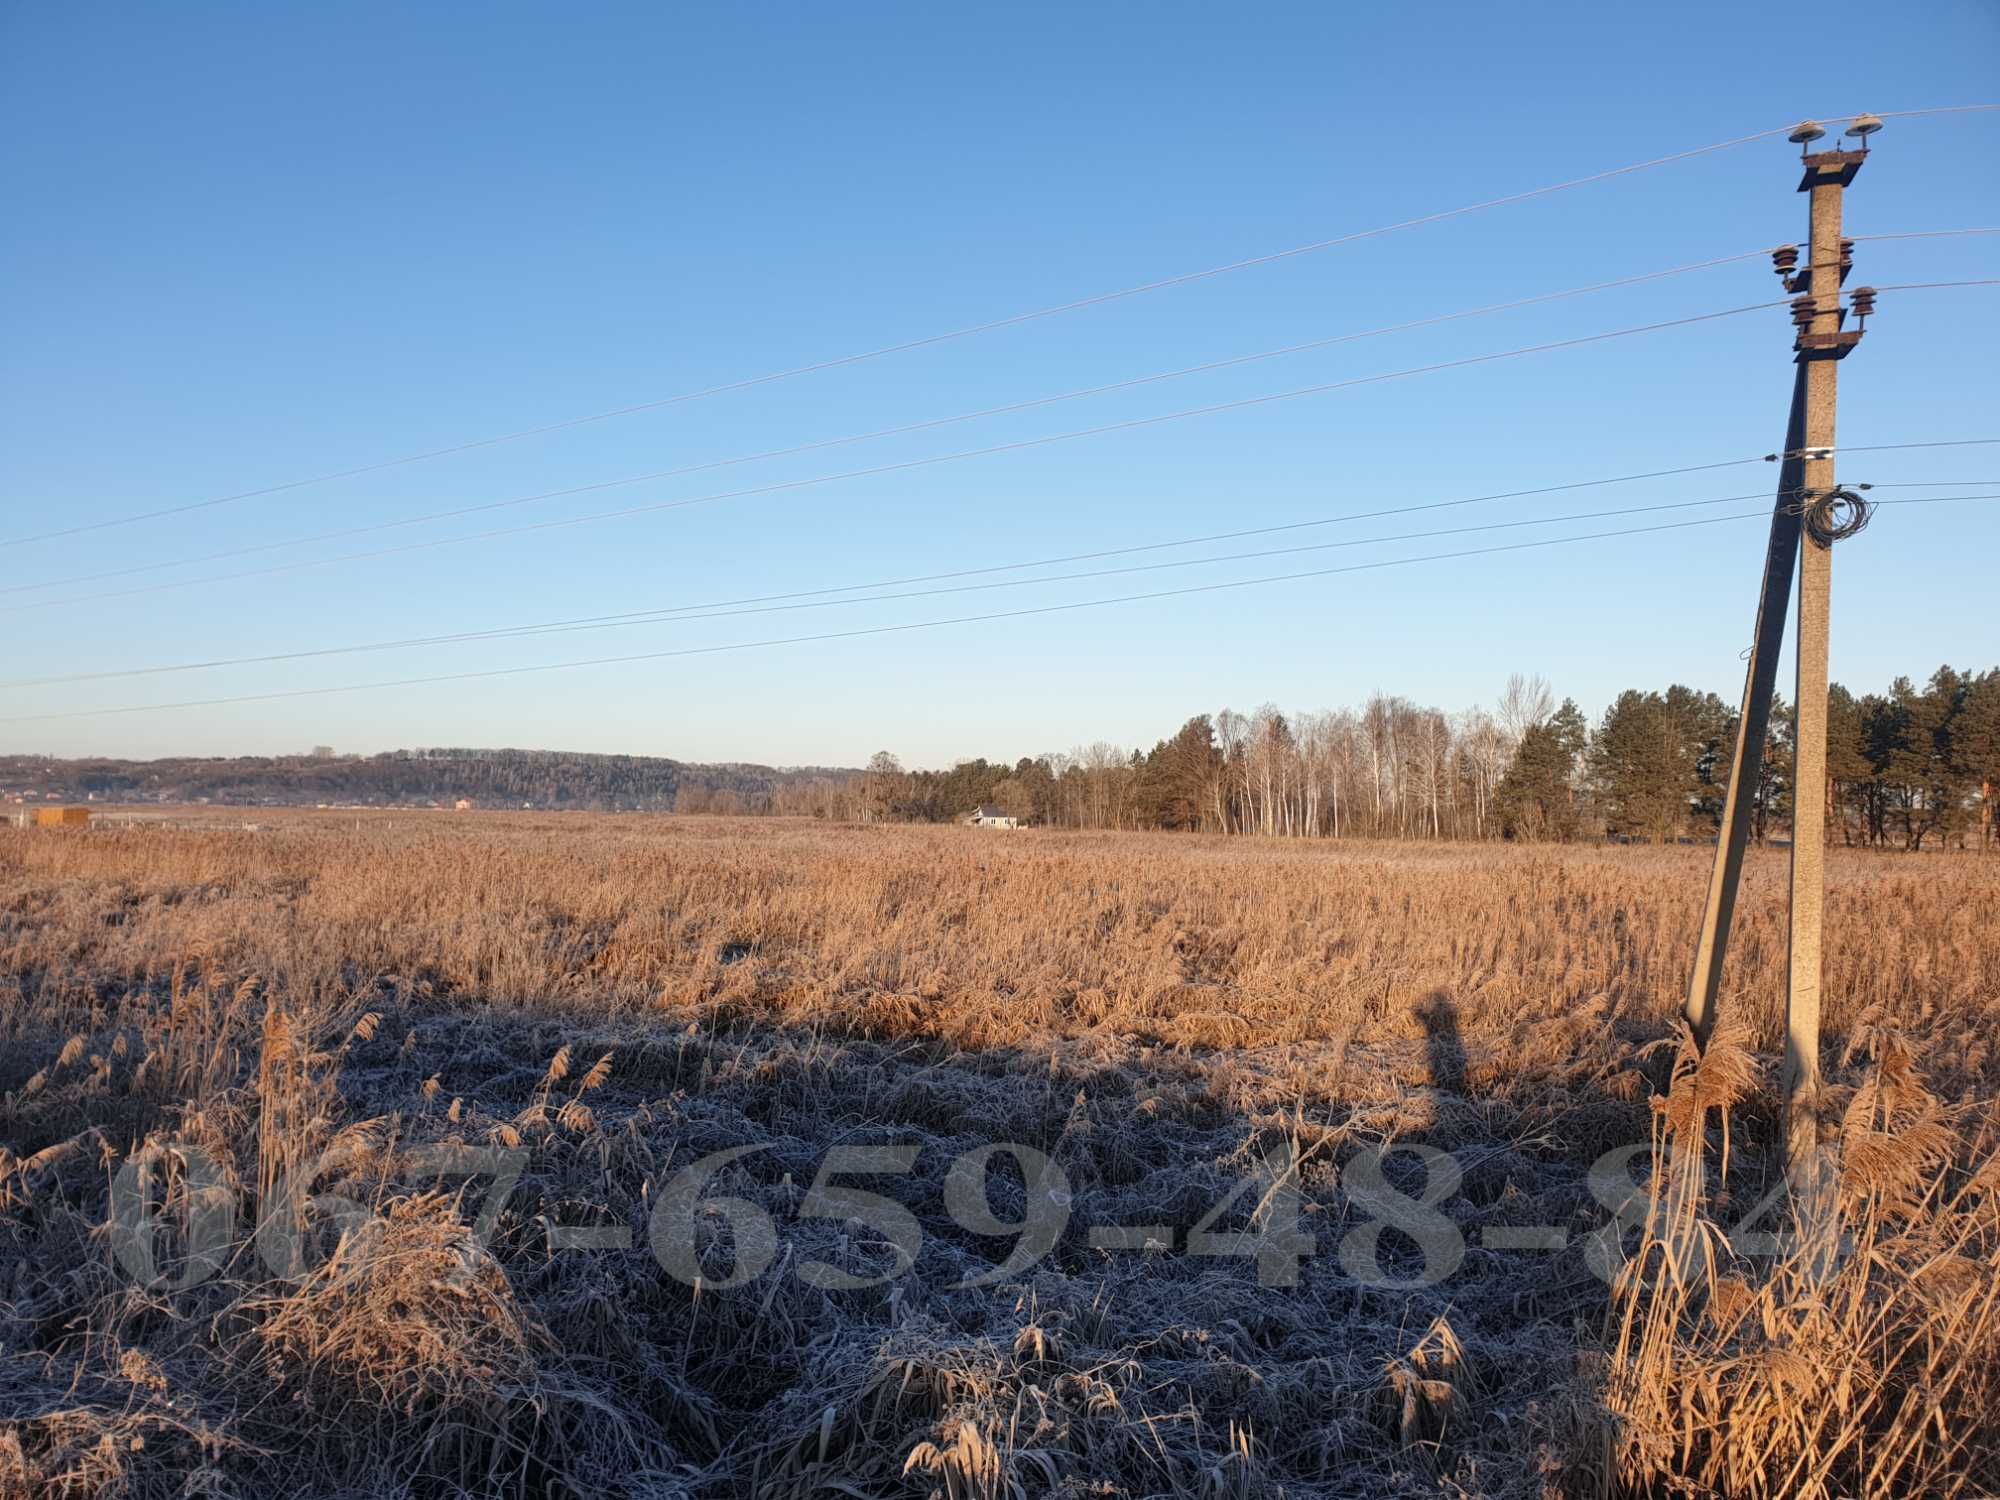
(1857, 1352)
(298, 1129)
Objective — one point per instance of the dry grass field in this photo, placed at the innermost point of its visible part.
(299, 1127)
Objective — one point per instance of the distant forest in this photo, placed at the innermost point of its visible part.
(409, 778)
(1915, 766)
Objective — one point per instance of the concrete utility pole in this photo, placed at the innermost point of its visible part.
(1810, 515)
(1746, 766)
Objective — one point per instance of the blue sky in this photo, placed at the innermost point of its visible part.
(252, 244)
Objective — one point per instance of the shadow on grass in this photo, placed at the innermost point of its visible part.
(1242, 1344)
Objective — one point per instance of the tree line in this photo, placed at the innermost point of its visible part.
(1912, 767)
(543, 779)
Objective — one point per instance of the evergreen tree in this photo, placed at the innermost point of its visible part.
(1537, 795)
(1926, 785)
(1976, 746)
(1654, 761)
(1849, 766)
(1176, 779)
(1773, 801)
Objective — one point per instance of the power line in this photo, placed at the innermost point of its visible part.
(1918, 234)
(1941, 109)
(1897, 447)
(1931, 499)
(1046, 609)
(712, 609)
(836, 635)
(1017, 445)
(1932, 286)
(1014, 320)
(629, 511)
(903, 429)
(724, 608)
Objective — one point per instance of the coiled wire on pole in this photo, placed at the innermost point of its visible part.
(1834, 516)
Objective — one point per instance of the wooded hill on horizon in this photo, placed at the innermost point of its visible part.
(1917, 764)
(560, 779)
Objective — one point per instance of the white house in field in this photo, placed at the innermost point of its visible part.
(986, 815)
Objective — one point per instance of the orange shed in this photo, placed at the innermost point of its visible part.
(61, 817)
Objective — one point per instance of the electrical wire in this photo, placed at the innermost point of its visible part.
(1046, 609)
(1913, 234)
(905, 465)
(716, 609)
(1927, 499)
(904, 346)
(670, 613)
(625, 512)
(1940, 109)
(903, 429)
(1901, 447)
(1932, 286)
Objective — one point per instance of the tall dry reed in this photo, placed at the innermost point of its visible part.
(307, 1025)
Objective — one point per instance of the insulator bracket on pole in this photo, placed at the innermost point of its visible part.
(1802, 280)
(1826, 168)
(1826, 345)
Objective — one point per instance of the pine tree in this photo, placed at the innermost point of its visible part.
(1913, 748)
(1976, 747)
(1773, 801)
(1849, 765)
(1537, 795)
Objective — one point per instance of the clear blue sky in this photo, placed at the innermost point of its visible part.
(253, 243)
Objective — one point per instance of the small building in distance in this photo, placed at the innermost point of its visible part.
(463, 804)
(986, 815)
(62, 817)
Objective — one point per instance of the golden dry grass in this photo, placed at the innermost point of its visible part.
(331, 1000)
